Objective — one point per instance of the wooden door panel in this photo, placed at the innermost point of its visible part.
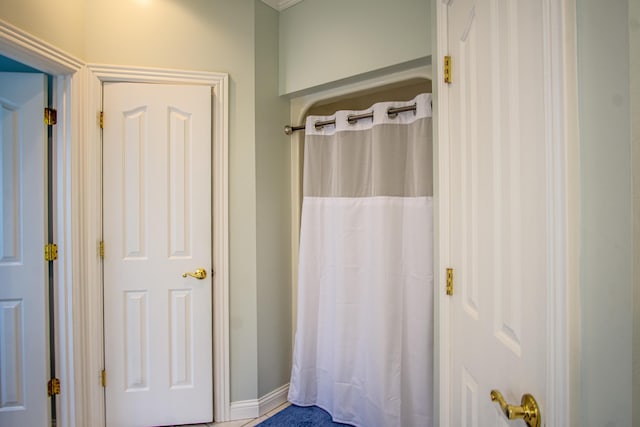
(157, 222)
(498, 194)
(24, 350)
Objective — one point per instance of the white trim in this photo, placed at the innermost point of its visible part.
(281, 5)
(254, 408)
(220, 84)
(562, 154)
(244, 410)
(34, 52)
(442, 303)
(62, 214)
(273, 399)
(116, 73)
(299, 107)
(87, 233)
(221, 345)
(30, 50)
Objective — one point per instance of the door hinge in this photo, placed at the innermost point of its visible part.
(101, 249)
(101, 119)
(447, 69)
(53, 387)
(449, 281)
(103, 378)
(50, 252)
(50, 116)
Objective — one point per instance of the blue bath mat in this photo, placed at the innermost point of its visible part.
(300, 416)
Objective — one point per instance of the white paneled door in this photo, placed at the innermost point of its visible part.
(23, 282)
(498, 208)
(157, 231)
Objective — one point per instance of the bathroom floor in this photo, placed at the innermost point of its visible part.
(248, 422)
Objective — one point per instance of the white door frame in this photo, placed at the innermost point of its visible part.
(562, 154)
(219, 82)
(29, 50)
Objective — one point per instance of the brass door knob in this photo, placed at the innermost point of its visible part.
(528, 409)
(198, 274)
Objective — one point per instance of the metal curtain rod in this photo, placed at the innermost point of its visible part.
(351, 118)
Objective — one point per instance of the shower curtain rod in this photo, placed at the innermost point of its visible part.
(352, 118)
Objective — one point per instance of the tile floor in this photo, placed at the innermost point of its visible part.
(246, 423)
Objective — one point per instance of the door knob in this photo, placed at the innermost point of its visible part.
(198, 274)
(528, 409)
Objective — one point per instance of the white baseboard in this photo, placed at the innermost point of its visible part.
(254, 408)
(243, 409)
(272, 400)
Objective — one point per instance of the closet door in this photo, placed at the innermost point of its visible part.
(24, 352)
(499, 209)
(158, 254)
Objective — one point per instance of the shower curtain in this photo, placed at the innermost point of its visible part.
(364, 339)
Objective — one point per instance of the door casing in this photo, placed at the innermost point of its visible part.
(96, 75)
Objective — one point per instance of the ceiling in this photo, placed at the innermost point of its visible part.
(280, 5)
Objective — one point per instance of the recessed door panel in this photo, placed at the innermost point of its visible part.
(11, 200)
(11, 355)
(179, 182)
(137, 340)
(134, 182)
(181, 339)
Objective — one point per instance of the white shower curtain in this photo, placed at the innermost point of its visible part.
(364, 338)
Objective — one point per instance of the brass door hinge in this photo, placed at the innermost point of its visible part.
(101, 249)
(447, 69)
(50, 252)
(449, 281)
(53, 387)
(101, 119)
(50, 116)
(103, 378)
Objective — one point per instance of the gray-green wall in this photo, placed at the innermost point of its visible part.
(606, 248)
(634, 75)
(323, 41)
(273, 210)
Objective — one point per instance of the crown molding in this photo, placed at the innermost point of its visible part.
(19, 45)
(281, 5)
